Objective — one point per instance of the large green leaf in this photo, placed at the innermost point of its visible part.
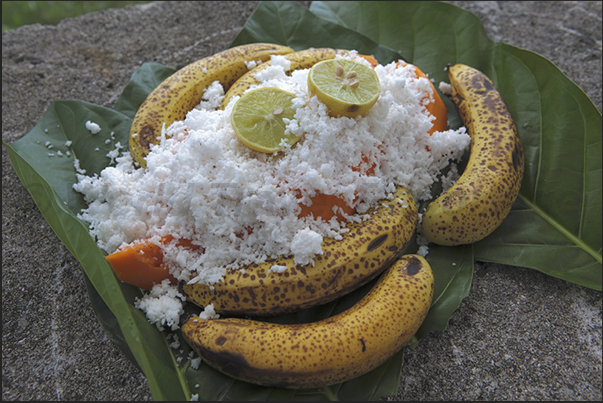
(427, 34)
(48, 176)
(453, 273)
(289, 23)
(555, 226)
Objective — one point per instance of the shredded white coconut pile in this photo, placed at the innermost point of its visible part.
(241, 206)
(305, 245)
(163, 305)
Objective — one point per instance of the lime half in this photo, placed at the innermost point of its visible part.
(347, 87)
(258, 119)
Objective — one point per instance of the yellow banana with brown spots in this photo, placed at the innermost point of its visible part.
(482, 197)
(346, 264)
(183, 90)
(303, 59)
(325, 352)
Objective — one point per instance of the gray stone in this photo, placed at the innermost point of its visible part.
(520, 335)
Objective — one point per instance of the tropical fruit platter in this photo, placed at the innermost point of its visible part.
(281, 219)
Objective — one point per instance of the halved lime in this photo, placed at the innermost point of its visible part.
(347, 87)
(257, 119)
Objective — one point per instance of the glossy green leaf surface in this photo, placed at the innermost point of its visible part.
(555, 225)
(44, 161)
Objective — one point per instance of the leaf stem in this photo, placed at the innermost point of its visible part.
(575, 239)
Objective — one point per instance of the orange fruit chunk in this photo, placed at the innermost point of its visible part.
(141, 264)
(436, 108)
(322, 206)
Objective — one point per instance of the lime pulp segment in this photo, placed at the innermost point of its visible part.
(347, 87)
(259, 118)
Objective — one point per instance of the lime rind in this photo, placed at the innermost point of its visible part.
(260, 116)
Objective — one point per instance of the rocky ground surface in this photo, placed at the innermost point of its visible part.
(520, 335)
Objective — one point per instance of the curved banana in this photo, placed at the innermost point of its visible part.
(183, 90)
(326, 352)
(482, 197)
(303, 59)
(364, 252)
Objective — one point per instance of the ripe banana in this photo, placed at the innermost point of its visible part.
(182, 91)
(326, 352)
(364, 252)
(303, 59)
(482, 197)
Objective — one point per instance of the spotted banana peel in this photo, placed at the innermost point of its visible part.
(183, 90)
(482, 197)
(326, 352)
(346, 264)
